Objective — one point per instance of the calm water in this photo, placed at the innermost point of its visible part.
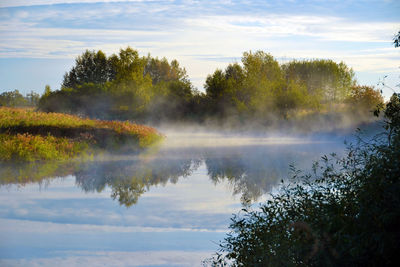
(165, 207)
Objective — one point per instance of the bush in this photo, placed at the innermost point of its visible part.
(345, 213)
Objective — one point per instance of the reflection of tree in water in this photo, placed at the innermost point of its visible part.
(29, 172)
(249, 178)
(128, 180)
(251, 171)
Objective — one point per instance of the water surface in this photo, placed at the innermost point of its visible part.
(164, 207)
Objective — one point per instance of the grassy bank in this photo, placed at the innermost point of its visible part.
(28, 135)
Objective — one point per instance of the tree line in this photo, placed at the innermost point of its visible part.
(127, 86)
(16, 99)
(122, 86)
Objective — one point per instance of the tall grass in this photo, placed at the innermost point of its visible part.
(29, 147)
(28, 135)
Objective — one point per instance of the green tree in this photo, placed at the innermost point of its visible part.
(47, 90)
(160, 70)
(124, 85)
(131, 89)
(13, 99)
(264, 81)
(172, 90)
(325, 80)
(90, 67)
(255, 90)
(292, 97)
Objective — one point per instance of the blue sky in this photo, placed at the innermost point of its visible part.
(40, 39)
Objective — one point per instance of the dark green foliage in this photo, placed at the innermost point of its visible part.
(173, 92)
(162, 70)
(345, 213)
(246, 91)
(88, 99)
(90, 67)
(123, 86)
(128, 86)
(260, 88)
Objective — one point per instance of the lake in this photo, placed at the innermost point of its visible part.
(169, 206)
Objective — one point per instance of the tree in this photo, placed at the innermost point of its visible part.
(292, 97)
(123, 86)
(47, 90)
(249, 90)
(90, 67)
(364, 99)
(172, 90)
(325, 80)
(264, 80)
(161, 70)
(13, 99)
(33, 98)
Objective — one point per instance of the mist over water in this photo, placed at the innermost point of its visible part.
(173, 201)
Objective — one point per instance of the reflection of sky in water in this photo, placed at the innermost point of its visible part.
(61, 222)
(183, 201)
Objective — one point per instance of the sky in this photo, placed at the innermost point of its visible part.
(39, 39)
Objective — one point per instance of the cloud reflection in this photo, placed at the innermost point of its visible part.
(180, 199)
(250, 165)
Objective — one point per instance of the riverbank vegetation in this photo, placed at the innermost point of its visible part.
(257, 91)
(345, 213)
(28, 135)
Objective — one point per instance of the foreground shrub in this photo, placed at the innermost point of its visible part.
(345, 213)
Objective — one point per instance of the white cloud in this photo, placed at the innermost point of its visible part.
(17, 3)
(179, 30)
(228, 36)
(278, 25)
